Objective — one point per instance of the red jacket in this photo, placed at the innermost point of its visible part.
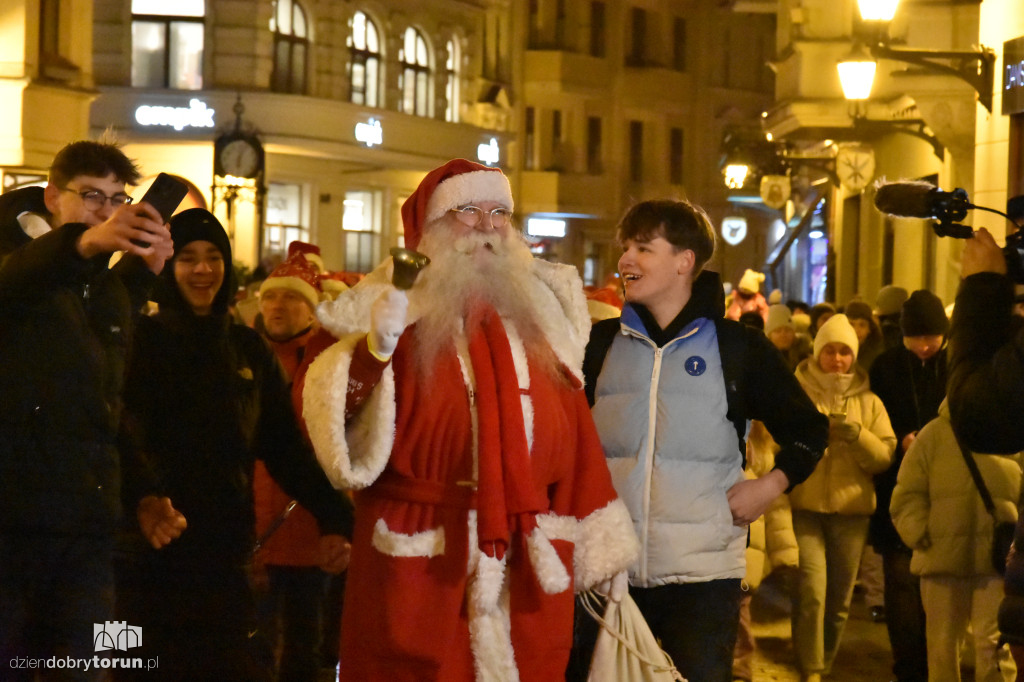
(296, 542)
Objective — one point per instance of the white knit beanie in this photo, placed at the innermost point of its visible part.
(836, 330)
(778, 316)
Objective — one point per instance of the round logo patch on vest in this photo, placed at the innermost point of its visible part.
(695, 365)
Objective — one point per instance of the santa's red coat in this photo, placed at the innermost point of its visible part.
(420, 603)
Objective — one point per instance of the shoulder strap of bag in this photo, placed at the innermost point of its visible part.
(976, 475)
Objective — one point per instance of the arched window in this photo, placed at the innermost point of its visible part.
(167, 44)
(291, 47)
(364, 61)
(451, 87)
(415, 80)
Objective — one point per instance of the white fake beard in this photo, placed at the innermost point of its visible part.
(467, 271)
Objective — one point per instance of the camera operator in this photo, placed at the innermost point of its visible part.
(986, 361)
(986, 390)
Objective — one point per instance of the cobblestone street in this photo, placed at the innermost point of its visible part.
(863, 654)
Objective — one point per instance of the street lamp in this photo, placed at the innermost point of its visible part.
(857, 73)
(975, 67)
(877, 10)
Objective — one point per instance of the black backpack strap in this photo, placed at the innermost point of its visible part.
(602, 334)
(732, 349)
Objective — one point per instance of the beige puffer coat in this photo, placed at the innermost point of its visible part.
(937, 509)
(842, 483)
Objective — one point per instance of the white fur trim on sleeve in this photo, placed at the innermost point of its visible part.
(355, 456)
(428, 543)
(469, 188)
(547, 565)
(605, 545)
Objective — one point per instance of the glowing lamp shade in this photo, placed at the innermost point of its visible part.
(857, 73)
(877, 10)
(735, 175)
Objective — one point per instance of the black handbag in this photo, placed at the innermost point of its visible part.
(1002, 531)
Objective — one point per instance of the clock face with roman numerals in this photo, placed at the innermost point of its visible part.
(855, 167)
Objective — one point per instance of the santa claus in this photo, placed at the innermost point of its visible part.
(455, 410)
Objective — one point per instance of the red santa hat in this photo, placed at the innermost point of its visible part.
(333, 283)
(310, 251)
(456, 183)
(296, 274)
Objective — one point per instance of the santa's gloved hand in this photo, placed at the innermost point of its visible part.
(387, 322)
(614, 588)
(845, 431)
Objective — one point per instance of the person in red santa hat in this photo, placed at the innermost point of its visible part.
(456, 412)
(291, 595)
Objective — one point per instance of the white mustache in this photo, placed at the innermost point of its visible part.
(470, 243)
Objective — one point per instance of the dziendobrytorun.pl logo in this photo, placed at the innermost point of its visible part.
(107, 636)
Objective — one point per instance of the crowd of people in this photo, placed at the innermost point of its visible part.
(412, 477)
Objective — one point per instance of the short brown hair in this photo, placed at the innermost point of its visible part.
(95, 159)
(680, 223)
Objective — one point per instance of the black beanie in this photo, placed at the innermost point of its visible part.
(197, 224)
(923, 315)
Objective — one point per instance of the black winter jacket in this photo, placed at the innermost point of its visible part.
(204, 398)
(65, 326)
(911, 391)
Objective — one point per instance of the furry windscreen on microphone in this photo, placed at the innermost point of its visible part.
(907, 198)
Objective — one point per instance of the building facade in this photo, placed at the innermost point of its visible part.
(937, 121)
(624, 101)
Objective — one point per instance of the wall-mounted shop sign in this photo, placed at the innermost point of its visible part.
(195, 115)
(734, 229)
(1013, 76)
(489, 153)
(370, 133)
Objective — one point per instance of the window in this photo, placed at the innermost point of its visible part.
(679, 44)
(167, 46)
(675, 156)
(636, 151)
(594, 165)
(560, 23)
(415, 78)
(597, 28)
(364, 61)
(49, 27)
(285, 218)
(638, 37)
(451, 88)
(362, 231)
(530, 140)
(291, 47)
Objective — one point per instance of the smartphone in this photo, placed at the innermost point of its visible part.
(164, 195)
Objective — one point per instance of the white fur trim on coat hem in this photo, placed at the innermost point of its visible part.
(427, 543)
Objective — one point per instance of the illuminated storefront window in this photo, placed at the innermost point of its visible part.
(285, 218)
(361, 225)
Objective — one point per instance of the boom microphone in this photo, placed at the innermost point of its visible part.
(910, 199)
(917, 199)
